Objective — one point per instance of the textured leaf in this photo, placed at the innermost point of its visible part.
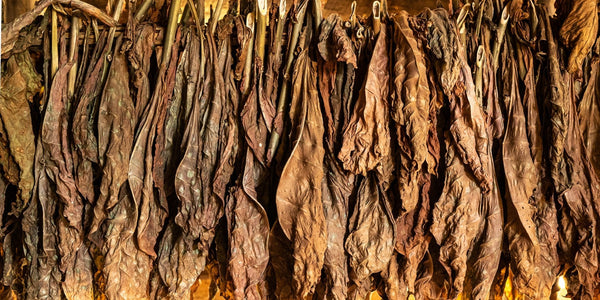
(299, 195)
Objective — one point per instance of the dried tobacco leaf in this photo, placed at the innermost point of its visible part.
(579, 32)
(184, 258)
(179, 110)
(366, 138)
(282, 263)
(467, 223)
(115, 138)
(10, 169)
(254, 124)
(248, 244)
(410, 109)
(338, 186)
(139, 59)
(556, 104)
(589, 116)
(337, 53)
(370, 242)
(521, 180)
(442, 44)
(152, 212)
(126, 267)
(299, 195)
(579, 200)
(75, 262)
(19, 84)
(83, 122)
(41, 236)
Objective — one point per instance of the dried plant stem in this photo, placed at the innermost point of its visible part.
(481, 7)
(141, 12)
(279, 30)
(460, 24)
(353, 14)
(479, 74)
(54, 44)
(376, 17)
(74, 47)
(190, 6)
(215, 17)
(500, 36)
(248, 65)
(171, 29)
(261, 28)
(281, 104)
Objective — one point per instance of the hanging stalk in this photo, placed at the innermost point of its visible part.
(353, 14)
(299, 20)
(479, 74)
(215, 17)
(261, 28)
(376, 17)
(279, 29)
(248, 63)
(96, 30)
(54, 44)
(191, 8)
(384, 9)
(460, 23)
(116, 16)
(141, 12)
(74, 47)
(171, 29)
(111, 36)
(500, 36)
(481, 7)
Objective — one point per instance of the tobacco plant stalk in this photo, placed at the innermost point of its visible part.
(500, 37)
(376, 17)
(281, 104)
(54, 44)
(248, 65)
(261, 28)
(171, 29)
(74, 47)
